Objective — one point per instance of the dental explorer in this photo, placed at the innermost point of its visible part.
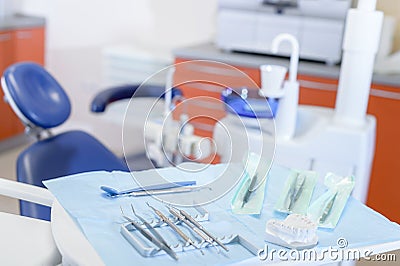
(175, 228)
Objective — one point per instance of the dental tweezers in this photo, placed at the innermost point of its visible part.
(153, 238)
(175, 228)
(192, 227)
(196, 223)
(151, 228)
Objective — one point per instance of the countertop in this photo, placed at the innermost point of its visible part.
(209, 51)
(21, 21)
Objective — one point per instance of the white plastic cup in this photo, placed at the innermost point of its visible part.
(272, 77)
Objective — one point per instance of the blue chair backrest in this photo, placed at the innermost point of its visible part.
(36, 94)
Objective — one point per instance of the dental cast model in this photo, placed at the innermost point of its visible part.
(296, 231)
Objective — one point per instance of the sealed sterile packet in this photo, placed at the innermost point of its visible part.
(249, 196)
(327, 209)
(297, 192)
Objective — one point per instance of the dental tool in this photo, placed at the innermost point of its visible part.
(175, 228)
(296, 189)
(196, 223)
(162, 191)
(327, 209)
(113, 192)
(151, 228)
(297, 192)
(192, 227)
(249, 190)
(151, 238)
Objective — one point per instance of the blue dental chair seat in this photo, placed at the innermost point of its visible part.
(41, 104)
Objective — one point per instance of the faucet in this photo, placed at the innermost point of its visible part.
(286, 117)
(294, 57)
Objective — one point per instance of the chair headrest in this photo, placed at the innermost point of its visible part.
(36, 97)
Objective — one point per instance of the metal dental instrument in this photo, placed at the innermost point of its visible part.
(113, 192)
(162, 191)
(192, 227)
(196, 223)
(151, 228)
(297, 186)
(150, 237)
(249, 190)
(175, 228)
(327, 209)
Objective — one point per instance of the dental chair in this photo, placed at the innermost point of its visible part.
(41, 104)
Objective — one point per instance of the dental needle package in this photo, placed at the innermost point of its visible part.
(327, 209)
(249, 197)
(297, 192)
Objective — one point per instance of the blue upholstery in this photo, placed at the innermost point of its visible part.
(65, 154)
(44, 103)
(111, 95)
(37, 94)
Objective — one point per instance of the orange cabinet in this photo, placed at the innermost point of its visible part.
(384, 104)
(22, 44)
(8, 121)
(29, 45)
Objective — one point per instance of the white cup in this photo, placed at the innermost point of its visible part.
(272, 77)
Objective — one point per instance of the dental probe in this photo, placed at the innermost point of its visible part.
(196, 223)
(151, 228)
(175, 228)
(152, 239)
(192, 227)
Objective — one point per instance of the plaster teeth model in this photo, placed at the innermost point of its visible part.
(296, 231)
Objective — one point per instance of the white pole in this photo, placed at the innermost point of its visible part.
(360, 45)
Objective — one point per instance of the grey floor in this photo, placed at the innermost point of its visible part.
(7, 170)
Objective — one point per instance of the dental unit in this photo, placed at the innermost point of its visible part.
(317, 138)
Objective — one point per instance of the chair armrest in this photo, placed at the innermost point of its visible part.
(26, 192)
(104, 98)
